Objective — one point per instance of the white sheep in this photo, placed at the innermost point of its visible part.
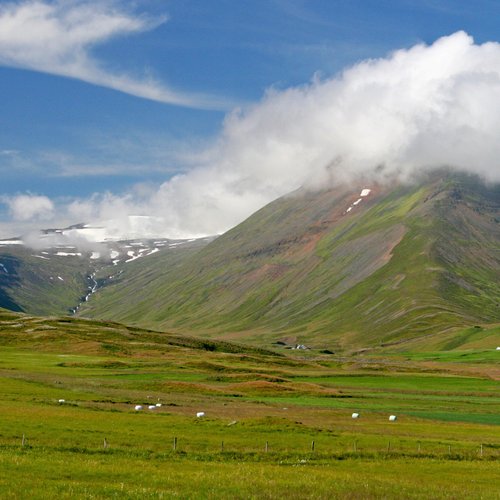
(355, 415)
(62, 401)
(200, 414)
(393, 418)
(138, 407)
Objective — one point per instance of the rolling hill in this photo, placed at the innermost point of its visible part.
(411, 266)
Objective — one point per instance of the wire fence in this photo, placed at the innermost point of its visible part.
(227, 448)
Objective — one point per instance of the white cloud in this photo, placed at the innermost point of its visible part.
(57, 37)
(26, 207)
(417, 109)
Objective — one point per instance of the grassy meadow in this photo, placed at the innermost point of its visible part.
(277, 423)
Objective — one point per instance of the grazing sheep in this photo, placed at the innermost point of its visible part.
(158, 405)
(393, 418)
(138, 407)
(355, 415)
(62, 401)
(200, 414)
(151, 407)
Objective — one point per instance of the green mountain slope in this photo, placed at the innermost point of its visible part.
(58, 280)
(405, 263)
(39, 285)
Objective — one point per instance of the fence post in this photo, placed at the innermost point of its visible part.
(175, 443)
(267, 446)
(312, 446)
(23, 441)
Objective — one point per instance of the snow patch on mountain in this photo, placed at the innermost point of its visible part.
(97, 243)
(11, 242)
(364, 193)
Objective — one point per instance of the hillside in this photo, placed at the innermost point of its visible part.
(42, 284)
(401, 266)
(57, 279)
(81, 336)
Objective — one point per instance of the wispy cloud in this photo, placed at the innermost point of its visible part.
(298, 9)
(11, 153)
(58, 36)
(127, 153)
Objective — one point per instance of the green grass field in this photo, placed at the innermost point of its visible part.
(274, 426)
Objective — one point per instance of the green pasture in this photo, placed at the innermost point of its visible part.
(115, 475)
(274, 425)
(465, 356)
(411, 382)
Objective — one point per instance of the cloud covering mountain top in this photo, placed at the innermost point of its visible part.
(417, 109)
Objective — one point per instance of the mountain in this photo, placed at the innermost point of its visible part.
(70, 264)
(412, 266)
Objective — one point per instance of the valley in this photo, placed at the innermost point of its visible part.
(59, 276)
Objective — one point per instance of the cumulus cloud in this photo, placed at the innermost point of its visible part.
(57, 37)
(417, 109)
(26, 207)
(420, 108)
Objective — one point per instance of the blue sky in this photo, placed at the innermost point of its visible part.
(119, 96)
